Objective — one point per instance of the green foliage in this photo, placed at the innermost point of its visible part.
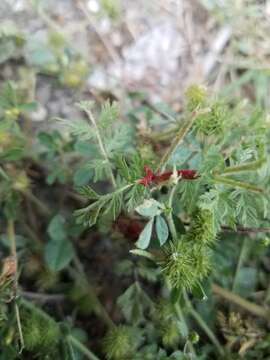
(59, 250)
(202, 228)
(196, 97)
(184, 264)
(120, 342)
(63, 266)
(41, 335)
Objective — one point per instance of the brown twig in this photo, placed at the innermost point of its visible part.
(243, 303)
(44, 298)
(246, 230)
(240, 229)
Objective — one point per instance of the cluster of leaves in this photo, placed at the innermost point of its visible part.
(181, 247)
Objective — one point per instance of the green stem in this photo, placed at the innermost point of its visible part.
(39, 204)
(4, 174)
(19, 325)
(169, 217)
(177, 140)
(182, 319)
(76, 343)
(254, 165)
(12, 239)
(203, 325)
(241, 259)
(100, 142)
(236, 184)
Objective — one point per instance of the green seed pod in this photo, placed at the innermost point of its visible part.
(213, 121)
(194, 337)
(202, 229)
(170, 334)
(119, 343)
(40, 334)
(202, 261)
(196, 97)
(178, 264)
(163, 310)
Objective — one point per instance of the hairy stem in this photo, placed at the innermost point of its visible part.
(39, 204)
(83, 349)
(13, 252)
(177, 140)
(241, 259)
(182, 319)
(100, 143)
(251, 166)
(203, 325)
(236, 184)
(12, 239)
(245, 230)
(169, 217)
(243, 303)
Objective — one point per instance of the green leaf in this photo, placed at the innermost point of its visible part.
(108, 115)
(56, 228)
(79, 128)
(161, 230)
(85, 148)
(82, 176)
(149, 208)
(58, 254)
(145, 236)
(133, 302)
(88, 192)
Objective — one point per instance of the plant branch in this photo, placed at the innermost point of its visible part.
(39, 204)
(12, 240)
(236, 184)
(177, 140)
(44, 298)
(182, 319)
(241, 259)
(251, 166)
(203, 325)
(246, 230)
(100, 142)
(243, 303)
(169, 217)
(83, 349)
(13, 252)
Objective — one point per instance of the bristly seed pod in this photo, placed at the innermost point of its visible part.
(202, 229)
(178, 264)
(119, 343)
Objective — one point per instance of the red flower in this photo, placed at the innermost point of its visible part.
(150, 177)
